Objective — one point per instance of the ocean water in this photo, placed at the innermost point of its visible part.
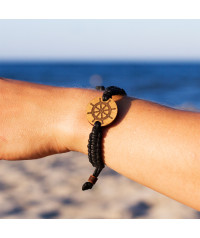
(172, 84)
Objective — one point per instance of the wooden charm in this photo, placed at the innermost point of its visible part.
(102, 111)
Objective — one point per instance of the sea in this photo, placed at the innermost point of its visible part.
(175, 84)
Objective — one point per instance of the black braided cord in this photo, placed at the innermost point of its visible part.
(95, 139)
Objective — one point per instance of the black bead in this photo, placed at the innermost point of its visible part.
(87, 186)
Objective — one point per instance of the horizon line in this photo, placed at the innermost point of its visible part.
(94, 61)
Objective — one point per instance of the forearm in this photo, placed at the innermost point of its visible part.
(154, 145)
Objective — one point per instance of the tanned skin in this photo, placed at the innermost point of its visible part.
(154, 145)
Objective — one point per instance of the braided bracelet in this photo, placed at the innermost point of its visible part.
(101, 111)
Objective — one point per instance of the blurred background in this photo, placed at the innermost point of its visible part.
(157, 60)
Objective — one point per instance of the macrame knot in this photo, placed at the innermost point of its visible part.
(95, 139)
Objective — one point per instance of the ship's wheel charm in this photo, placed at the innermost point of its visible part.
(102, 111)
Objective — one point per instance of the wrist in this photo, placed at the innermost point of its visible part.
(79, 127)
(71, 125)
(72, 128)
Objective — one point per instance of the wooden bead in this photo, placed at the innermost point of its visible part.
(92, 179)
(103, 111)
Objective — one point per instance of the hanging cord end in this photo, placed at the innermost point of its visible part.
(87, 186)
(91, 181)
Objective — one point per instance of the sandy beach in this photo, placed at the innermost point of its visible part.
(51, 188)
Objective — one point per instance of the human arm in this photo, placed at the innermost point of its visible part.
(151, 144)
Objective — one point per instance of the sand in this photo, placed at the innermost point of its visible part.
(51, 188)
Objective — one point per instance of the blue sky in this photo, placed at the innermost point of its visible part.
(80, 40)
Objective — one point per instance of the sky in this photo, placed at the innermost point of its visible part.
(100, 40)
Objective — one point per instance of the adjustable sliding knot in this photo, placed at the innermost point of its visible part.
(94, 154)
(100, 112)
